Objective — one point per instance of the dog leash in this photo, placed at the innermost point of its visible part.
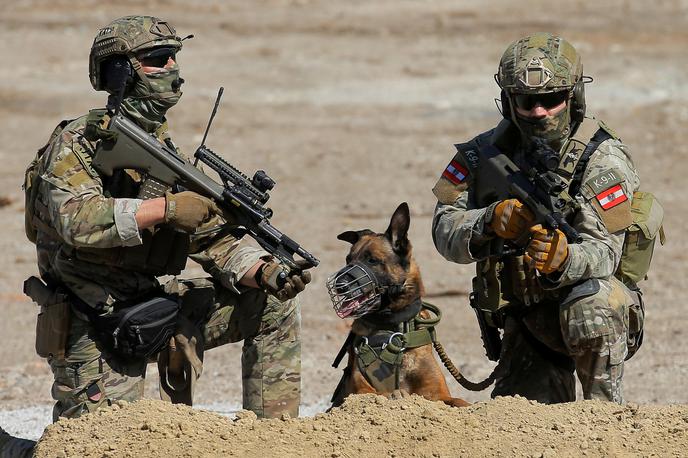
(453, 370)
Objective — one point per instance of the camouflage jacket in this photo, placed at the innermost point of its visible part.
(87, 236)
(459, 220)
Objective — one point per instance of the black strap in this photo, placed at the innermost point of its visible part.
(600, 136)
(384, 319)
(343, 350)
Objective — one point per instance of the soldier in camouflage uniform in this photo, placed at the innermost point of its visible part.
(106, 247)
(559, 304)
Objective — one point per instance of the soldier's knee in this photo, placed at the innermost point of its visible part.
(81, 388)
(592, 319)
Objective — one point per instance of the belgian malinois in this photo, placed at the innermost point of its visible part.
(390, 343)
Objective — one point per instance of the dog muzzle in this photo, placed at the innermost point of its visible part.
(354, 291)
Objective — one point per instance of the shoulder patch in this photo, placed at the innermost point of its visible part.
(609, 199)
(447, 192)
(603, 181)
(615, 218)
(452, 182)
(455, 172)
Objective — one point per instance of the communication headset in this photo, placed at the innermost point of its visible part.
(117, 71)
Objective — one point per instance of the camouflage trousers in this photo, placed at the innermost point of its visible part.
(586, 334)
(89, 378)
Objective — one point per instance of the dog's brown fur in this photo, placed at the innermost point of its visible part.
(392, 259)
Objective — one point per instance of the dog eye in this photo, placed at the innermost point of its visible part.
(373, 261)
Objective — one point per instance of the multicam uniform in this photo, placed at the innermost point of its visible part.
(574, 318)
(88, 241)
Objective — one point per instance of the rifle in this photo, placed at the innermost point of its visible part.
(243, 199)
(539, 188)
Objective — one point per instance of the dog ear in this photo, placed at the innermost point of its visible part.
(397, 232)
(354, 236)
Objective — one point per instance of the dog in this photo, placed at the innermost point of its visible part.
(390, 344)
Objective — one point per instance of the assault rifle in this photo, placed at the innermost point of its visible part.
(539, 187)
(243, 199)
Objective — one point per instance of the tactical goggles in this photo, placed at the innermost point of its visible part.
(157, 57)
(548, 100)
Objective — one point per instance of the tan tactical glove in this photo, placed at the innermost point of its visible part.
(280, 282)
(547, 250)
(188, 210)
(511, 219)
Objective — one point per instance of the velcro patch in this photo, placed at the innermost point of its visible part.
(616, 218)
(447, 192)
(455, 172)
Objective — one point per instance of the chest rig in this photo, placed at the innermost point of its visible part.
(164, 251)
(379, 355)
(502, 281)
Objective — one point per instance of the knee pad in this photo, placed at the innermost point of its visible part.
(588, 322)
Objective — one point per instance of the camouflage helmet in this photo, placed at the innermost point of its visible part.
(129, 36)
(539, 63)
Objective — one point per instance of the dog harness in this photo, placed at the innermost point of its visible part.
(379, 355)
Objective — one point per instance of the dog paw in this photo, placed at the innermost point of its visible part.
(398, 394)
(457, 402)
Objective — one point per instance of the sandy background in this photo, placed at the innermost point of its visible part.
(352, 107)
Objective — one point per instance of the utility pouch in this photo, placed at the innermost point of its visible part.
(140, 330)
(648, 216)
(487, 285)
(52, 325)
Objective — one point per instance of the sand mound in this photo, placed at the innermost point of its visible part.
(370, 425)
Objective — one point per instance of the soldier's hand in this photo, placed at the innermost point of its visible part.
(188, 210)
(547, 250)
(282, 283)
(511, 219)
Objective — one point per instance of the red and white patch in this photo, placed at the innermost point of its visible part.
(455, 172)
(611, 197)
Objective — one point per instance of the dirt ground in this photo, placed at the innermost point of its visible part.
(369, 425)
(353, 107)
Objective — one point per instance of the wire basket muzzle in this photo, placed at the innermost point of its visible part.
(354, 291)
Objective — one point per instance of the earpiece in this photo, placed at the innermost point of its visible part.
(506, 105)
(115, 72)
(578, 102)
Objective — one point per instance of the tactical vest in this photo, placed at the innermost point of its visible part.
(492, 286)
(164, 250)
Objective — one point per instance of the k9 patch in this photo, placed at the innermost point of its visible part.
(607, 196)
(455, 172)
(611, 197)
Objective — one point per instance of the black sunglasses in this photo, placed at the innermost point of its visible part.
(157, 57)
(549, 100)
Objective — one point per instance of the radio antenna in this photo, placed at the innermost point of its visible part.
(210, 121)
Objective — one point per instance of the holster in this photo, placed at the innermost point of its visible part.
(52, 324)
(488, 323)
(181, 364)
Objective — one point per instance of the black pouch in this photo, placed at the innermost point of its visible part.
(140, 330)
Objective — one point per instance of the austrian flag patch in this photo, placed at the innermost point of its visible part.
(611, 197)
(455, 172)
